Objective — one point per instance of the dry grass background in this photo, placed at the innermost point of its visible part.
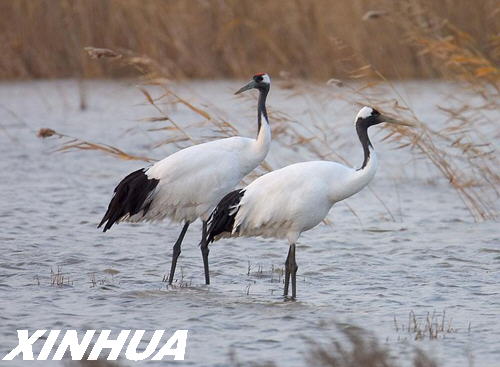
(317, 39)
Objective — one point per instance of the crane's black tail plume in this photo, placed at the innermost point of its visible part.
(222, 218)
(129, 198)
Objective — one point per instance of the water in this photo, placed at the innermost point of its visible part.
(365, 270)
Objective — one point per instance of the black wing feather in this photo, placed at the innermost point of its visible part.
(222, 218)
(129, 197)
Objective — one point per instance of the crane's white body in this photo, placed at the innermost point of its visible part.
(286, 202)
(193, 180)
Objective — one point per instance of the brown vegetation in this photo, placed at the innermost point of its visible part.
(354, 347)
(58, 278)
(71, 143)
(432, 326)
(317, 39)
(360, 349)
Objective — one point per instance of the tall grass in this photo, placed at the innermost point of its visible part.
(228, 38)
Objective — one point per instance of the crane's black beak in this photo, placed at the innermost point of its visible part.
(252, 84)
(390, 120)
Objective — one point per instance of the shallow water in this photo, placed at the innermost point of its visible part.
(367, 270)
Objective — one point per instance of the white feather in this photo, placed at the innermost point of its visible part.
(193, 180)
(266, 79)
(286, 202)
(364, 113)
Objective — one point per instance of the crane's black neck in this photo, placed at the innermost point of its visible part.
(362, 126)
(261, 107)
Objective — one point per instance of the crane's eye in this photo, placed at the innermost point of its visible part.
(259, 78)
(375, 112)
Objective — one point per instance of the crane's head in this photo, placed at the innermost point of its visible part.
(260, 81)
(368, 116)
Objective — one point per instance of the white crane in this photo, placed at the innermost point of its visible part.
(189, 183)
(286, 202)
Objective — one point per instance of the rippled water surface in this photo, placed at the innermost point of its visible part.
(369, 269)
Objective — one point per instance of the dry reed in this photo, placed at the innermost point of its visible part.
(72, 143)
(228, 38)
(58, 278)
(432, 326)
(458, 150)
(354, 347)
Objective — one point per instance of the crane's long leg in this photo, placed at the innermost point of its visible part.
(287, 271)
(291, 271)
(176, 252)
(204, 251)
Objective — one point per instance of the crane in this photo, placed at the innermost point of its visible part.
(189, 183)
(286, 202)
